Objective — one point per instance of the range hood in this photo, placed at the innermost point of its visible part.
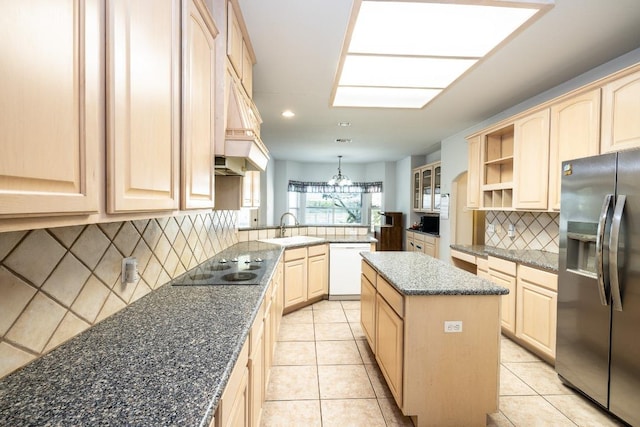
(242, 135)
(229, 166)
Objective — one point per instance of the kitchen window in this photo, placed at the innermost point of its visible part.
(321, 204)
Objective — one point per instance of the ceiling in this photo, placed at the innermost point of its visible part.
(298, 45)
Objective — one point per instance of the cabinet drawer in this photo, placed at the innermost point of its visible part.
(482, 264)
(539, 277)
(393, 297)
(502, 265)
(317, 250)
(237, 380)
(463, 256)
(369, 272)
(298, 253)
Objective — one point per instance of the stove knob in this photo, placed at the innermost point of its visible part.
(258, 260)
(223, 261)
(234, 260)
(247, 262)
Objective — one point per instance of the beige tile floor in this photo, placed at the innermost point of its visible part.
(324, 375)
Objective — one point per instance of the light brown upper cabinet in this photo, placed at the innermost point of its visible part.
(198, 106)
(143, 105)
(50, 107)
(239, 49)
(251, 189)
(425, 183)
(620, 111)
(416, 190)
(531, 161)
(473, 176)
(575, 133)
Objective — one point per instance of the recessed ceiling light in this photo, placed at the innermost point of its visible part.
(403, 53)
(343, 140)
(344, 124)
(288, 114)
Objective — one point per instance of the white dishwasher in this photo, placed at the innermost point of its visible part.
(344, 269)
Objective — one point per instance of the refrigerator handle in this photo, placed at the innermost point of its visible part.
(604, 213)
(614, 247)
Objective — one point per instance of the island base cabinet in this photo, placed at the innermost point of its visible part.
(368, 310)
(451, 379)
(390, 346)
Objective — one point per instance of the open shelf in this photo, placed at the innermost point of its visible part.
(497, 185)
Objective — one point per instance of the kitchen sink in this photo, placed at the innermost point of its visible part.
(293, 240)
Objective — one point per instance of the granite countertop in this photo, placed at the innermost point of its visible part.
(536, 259)
(310, 240)
(423, 232)
(163, 360)
(414, 273)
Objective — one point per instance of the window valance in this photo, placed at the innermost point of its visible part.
(323, 187)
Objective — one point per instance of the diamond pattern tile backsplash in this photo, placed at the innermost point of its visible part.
(56, 283)
(533, 230)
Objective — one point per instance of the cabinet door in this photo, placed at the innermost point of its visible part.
(473, 172)
(247, 69)
(531, 161)
(389, 346)
(295, 282)
(198, 115)
(50, 107)
(251, 189)
(368, 310)
(410, 241)
(537, 310)
(508, 304)
(234, 40)
(417, 189)
(575, 133)
(143, 114)
(256, 381)
(427, 189)
(318, 277)
(620, 106)
(233, 409)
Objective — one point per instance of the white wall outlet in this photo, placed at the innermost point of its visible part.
(129, 270)
(511, 231)
(491, 228)
(452, 326)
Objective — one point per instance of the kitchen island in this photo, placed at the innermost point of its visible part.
(435, 331)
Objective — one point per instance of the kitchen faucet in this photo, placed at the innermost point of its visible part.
(283, 226)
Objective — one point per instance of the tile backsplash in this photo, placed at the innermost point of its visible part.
(532, 230)
(57, 282)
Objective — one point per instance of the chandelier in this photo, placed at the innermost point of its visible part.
(339, 179)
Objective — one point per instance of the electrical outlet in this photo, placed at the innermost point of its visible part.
(511, 232)
(491, 228)
(452, 326)
(129, 270)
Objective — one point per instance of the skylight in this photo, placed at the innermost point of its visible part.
(402, 54)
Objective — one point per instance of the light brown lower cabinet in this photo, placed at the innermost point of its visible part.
(537, 296)
(244, 395)
(503, 273)
(306, 276)
(368, 303)
(438, 378)
(233, 408)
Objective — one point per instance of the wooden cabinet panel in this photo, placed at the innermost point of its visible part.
(247, 69)
(537, 309)
(50, 107)
(473, 172)
(368, 310)
(233, 409)
(620, 106)
(143, 95)
(318, 276)
(234, 39)
(256, 371)
(251, 189)
(295, 280)
(411, 245)
(416, 190)
(503, 273)
(389, 346)
(575, 133)
(198, 112)
(531, 161)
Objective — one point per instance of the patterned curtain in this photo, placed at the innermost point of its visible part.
(323, 187)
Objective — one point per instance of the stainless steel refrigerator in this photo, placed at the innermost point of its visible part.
(598, 333)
